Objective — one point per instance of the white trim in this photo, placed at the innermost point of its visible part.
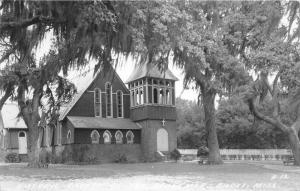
(111, 100)
(147, 92)
(121, 137)
(107, 132)
(155, 105)
(100, 103)
(69, 137)
(132, 141)
(98, 137)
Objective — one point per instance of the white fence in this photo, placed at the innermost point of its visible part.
(244, 154)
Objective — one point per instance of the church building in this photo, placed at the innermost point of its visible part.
(107, 122)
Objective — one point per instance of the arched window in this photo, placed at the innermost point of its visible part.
(129, 137)
(119, 137)
(119, 103)
(108, 90)
(169, 97)
(107, 137)
(69, 137)
(137, 97)
(95, 137)
(97, 102)
(22, 134)
(132, 98)
(141, 94)
(161, 96)
(155, 96)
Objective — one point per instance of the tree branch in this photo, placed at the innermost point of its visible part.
(27, 22)
(6, 95)
(261, 116)
(7, 54)
(275, 99)
(275, 82)
(36, 102)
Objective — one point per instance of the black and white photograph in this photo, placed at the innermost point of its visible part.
(149, 95)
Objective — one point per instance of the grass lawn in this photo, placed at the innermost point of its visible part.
(148, 176)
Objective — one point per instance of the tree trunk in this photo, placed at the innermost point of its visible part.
(290, 131)
(31, 117)
(214, 156)
(34, 143)
(294, 143)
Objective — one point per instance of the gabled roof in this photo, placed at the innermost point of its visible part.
(102, 123)
(9, 117)
(150, 70)
(67, 108)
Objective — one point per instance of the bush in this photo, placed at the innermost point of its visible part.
(91, 159)
(202, 152)
(12, 158)
(121, 158)
(175, 155)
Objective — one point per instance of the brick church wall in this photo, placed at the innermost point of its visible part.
(99, 153)
(83, 136)
(149, 137)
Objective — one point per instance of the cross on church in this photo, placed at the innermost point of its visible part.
(163, 122)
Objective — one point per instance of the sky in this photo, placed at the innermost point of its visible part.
(124, 69)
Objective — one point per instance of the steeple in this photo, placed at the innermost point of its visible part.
(152, 106)
(150, 71)
(149, 85)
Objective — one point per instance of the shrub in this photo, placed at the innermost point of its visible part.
(91, 159)
(121, 158)
(12, 158)
(202, 152)
(175, 155)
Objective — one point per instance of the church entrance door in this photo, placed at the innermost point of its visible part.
(22, 143)
(162, 140)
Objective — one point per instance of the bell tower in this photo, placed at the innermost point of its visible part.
(152, 105)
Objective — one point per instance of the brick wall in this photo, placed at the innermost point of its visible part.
(83, 136)
(85, 105)
(149, 137)
(97, 153)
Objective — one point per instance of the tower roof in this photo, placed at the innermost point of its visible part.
(150, 70)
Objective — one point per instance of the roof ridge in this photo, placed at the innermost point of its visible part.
(150, 70)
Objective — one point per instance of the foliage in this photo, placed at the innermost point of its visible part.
(236, 126)
(12, 158)
(202, 151)
(80, 30)
(191, 132)
(238, 129)
(210, 42)
(120, 158)
(175, 155)
(90, 28)
(277, 55)
(216, 44)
